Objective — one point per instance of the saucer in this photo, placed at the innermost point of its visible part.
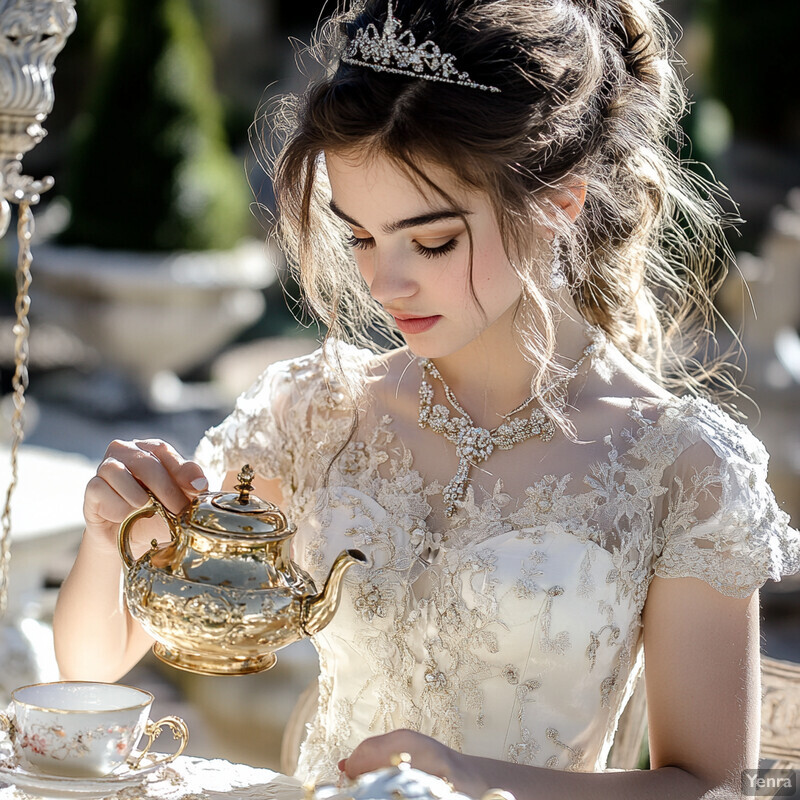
(45, 785)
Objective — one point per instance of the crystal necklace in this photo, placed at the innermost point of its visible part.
(474, 444)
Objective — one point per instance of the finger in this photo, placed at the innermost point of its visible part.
(378, 751)
(102, 503)
(187, 474)
(121, 480)
(369, 755)
(191, 477)
(151, 464)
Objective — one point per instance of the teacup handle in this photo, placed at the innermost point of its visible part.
(153, 730)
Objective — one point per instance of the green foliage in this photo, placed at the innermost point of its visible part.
(754, 45)
(150, 168)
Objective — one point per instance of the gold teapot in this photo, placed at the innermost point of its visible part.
(223, 594)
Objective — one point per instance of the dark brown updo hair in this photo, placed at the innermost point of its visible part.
(589, 95)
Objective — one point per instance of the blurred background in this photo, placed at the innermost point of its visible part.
(156, 300)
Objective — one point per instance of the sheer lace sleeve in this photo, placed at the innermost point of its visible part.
(721, 522)
(290, 423)
(257, 432)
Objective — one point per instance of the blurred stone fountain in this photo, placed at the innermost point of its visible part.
(152, 316)
(159, 264)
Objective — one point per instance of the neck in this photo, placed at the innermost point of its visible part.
(488, 385)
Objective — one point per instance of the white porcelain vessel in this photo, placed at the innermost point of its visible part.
(151, 313)
(84, 729)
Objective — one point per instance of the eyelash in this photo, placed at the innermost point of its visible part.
(427, 252)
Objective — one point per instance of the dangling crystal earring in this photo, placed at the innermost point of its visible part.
(558, 280)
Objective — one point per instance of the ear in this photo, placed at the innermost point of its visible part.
(570, 200)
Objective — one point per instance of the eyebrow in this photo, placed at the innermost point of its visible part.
(410, 222)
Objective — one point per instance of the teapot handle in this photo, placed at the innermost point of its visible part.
(154, 506)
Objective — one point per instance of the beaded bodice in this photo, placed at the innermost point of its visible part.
(513, 629)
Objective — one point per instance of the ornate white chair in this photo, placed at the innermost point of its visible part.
(780, 712)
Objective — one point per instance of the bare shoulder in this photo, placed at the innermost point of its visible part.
(620, 382)
(615, 390)
(394, 363)
(394, 378)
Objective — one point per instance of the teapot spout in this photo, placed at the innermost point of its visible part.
(318, 610)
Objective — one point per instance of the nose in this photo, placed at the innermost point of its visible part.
(390, 279)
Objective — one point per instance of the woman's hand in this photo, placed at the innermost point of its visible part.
(426, 754)
(119, 487)
(95, 636)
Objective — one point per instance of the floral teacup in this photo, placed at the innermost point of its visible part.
(84, 729)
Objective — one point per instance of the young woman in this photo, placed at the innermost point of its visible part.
(545, 498)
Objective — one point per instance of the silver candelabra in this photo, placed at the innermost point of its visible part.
(32, 33)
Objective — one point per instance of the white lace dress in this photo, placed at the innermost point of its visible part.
(513, 631)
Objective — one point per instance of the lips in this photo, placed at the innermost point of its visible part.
(413, 325)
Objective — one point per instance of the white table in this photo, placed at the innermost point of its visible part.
(46, 514)
(190, 778)
(46, 523)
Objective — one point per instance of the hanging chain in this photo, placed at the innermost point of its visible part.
(20, 381)
(33, 34)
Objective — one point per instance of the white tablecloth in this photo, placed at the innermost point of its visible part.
(46, 526)
(190, 778)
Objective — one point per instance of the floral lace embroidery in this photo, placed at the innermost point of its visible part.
(526, 584)
(524, 751)
(586, 585)
(560, 642)
(594, 643)
(575, 755)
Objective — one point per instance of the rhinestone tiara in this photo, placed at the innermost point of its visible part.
(390, 52)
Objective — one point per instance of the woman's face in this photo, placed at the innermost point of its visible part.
(412, 249)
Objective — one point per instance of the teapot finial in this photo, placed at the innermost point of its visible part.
(401, 761)
(245, 486)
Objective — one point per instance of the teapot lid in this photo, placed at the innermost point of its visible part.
(239, 515)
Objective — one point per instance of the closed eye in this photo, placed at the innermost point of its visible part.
(428, 252)
(433, 252)
(360, 244)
